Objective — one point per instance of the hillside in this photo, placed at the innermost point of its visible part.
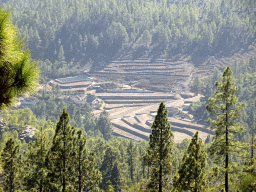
(173, 74)
(133, 103)
(70, 37)
(135, 121)
(152, 49)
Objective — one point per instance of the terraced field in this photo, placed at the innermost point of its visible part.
(132, 110)
(167, 74)
(157, 75)
(137, 126)
(132, 114)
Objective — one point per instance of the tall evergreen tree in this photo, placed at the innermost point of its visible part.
(86, 175)
(104, 125)
(160, 149)
(61, 156)
(196, 86)
(36, 178)
(107, 167)
(252, 126)
(12, 162)
(116, 177)
(191, 175)
(132, 151)
(142, 151)
(226, 107)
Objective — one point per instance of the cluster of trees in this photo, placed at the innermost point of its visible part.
(43, 116)
(48, 105)
(69, 159)
(244, 77)
(229, 156)
(119, 160)
(62, 34)
(60, 164)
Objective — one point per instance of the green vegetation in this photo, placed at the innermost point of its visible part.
(36, 169)
(244, 77)
(227, 108)
(76, 151)
(78, 32)
(192, 173)
(159, 154)
(11, 164)
(18, 73)
(117, 163)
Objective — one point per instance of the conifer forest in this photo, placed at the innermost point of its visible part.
(128, 95)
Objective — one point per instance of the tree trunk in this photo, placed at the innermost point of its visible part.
(63, 184)
(143, 169)
(148, 171)
(64, 161)
(226, 174)
(41, 184)
(196, 172)
(131, 170)
(80, 174)
(12, 174)
(161, 157)
(252, 147)
(160, 178)
(226, 166)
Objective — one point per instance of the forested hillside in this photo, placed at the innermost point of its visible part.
(64, 34)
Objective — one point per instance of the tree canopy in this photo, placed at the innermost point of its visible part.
(18, 72)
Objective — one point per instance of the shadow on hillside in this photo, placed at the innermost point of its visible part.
(198, 60)
(186, 126)
(193, 127)
(137, 126)
(155, 52)
(139, 52)
(131, 131)
(176, 129)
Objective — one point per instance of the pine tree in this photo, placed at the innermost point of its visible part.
(226, 107)
(196, 85)
(11, 161)
(116, 177)
(18, 73)
(61, 55)
(61, 156)
(191, 175)
(132, 151)
(104, 125)
(86, 174)
(252, 126)
(160, 149)
(110, 158)
(36, 156)
(142, 151)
